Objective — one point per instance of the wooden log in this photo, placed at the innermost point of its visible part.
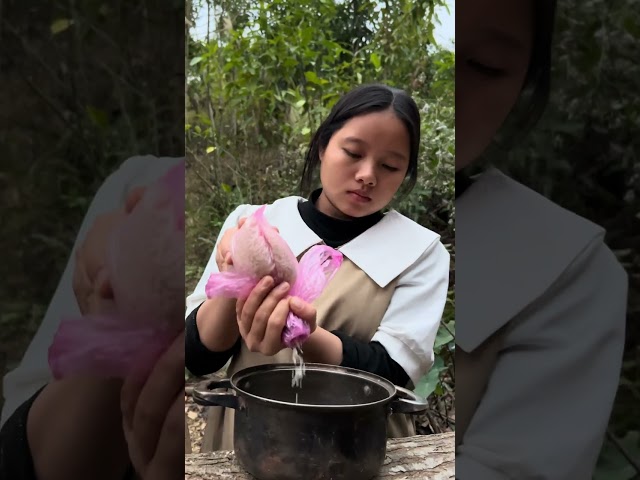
(420, 457)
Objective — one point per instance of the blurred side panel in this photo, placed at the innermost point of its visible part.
(548, 194)
(92, 141)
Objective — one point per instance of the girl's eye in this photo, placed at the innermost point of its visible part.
(486, 69)
(390, 168)
(351, 154)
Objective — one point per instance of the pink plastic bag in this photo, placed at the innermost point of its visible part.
(257, 251)
(145, 268)
(102, 345)
(317, 266)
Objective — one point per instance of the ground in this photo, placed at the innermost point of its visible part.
(196, 421)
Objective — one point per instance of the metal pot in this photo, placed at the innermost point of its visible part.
(332, 428)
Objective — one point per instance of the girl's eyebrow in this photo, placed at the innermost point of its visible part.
(362, 142)
(504, 38)
(355, 140)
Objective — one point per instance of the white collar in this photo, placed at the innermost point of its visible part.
(512, 244)
(382, 252)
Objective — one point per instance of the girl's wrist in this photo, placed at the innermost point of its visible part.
(217, 325)
(322, 346)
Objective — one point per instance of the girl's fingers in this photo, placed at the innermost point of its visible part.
(81, 283)
(134, 451)
(273, 334)
(156, 397)
(264, 315)
(133, 198)
(304, 310)
(239, 306)
(168, 460)
(252, 303)
(103, 286)
(223, 261)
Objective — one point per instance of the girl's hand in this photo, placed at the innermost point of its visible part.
(91, 284)
(223, 252)
(153, 416)
(263, 316)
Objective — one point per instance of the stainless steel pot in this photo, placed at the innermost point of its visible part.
(332, 428)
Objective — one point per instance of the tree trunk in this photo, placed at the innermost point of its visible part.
(419, 457)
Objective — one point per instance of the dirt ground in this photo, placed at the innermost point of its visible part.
(196, 420)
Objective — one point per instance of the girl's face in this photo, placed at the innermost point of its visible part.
(493, 46)
(363, 165)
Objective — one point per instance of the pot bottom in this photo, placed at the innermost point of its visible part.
(275, 444)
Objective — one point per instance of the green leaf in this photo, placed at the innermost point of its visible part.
(195, 61)
(211, 149)
(98, 117)
(442, 337)
(313, 78)
(333, 101)
(60, 25)
(427, 385)
(612, 465)
(631, 26)
(306, 131)
(306, 34)
(300, 103)
(375, 60)
(226, 188)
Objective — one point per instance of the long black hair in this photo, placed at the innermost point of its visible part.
(537, 84)
(362, 100)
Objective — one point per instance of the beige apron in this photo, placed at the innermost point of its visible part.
(351, 302)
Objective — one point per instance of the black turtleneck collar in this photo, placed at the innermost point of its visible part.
(463, 182)
(333, 231)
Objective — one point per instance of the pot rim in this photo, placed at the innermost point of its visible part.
(334, 369)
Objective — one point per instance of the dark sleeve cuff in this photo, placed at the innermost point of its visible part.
(15, 454)
(16, 461)
(198, 359)
(371, 357)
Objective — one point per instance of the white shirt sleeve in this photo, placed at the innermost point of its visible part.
(409, 326)
(199, 295)
(548, 401)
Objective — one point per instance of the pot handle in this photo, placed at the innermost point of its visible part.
(408, 403)
(203, 395)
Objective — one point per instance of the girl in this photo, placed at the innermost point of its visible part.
(381, 311)
(540, 299)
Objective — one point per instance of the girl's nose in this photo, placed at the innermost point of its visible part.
(366, 174)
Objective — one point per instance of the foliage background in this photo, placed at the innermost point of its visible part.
(85, 85)
(265, 78)
(584, 156)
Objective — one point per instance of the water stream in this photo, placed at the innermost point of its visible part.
(298, 371)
